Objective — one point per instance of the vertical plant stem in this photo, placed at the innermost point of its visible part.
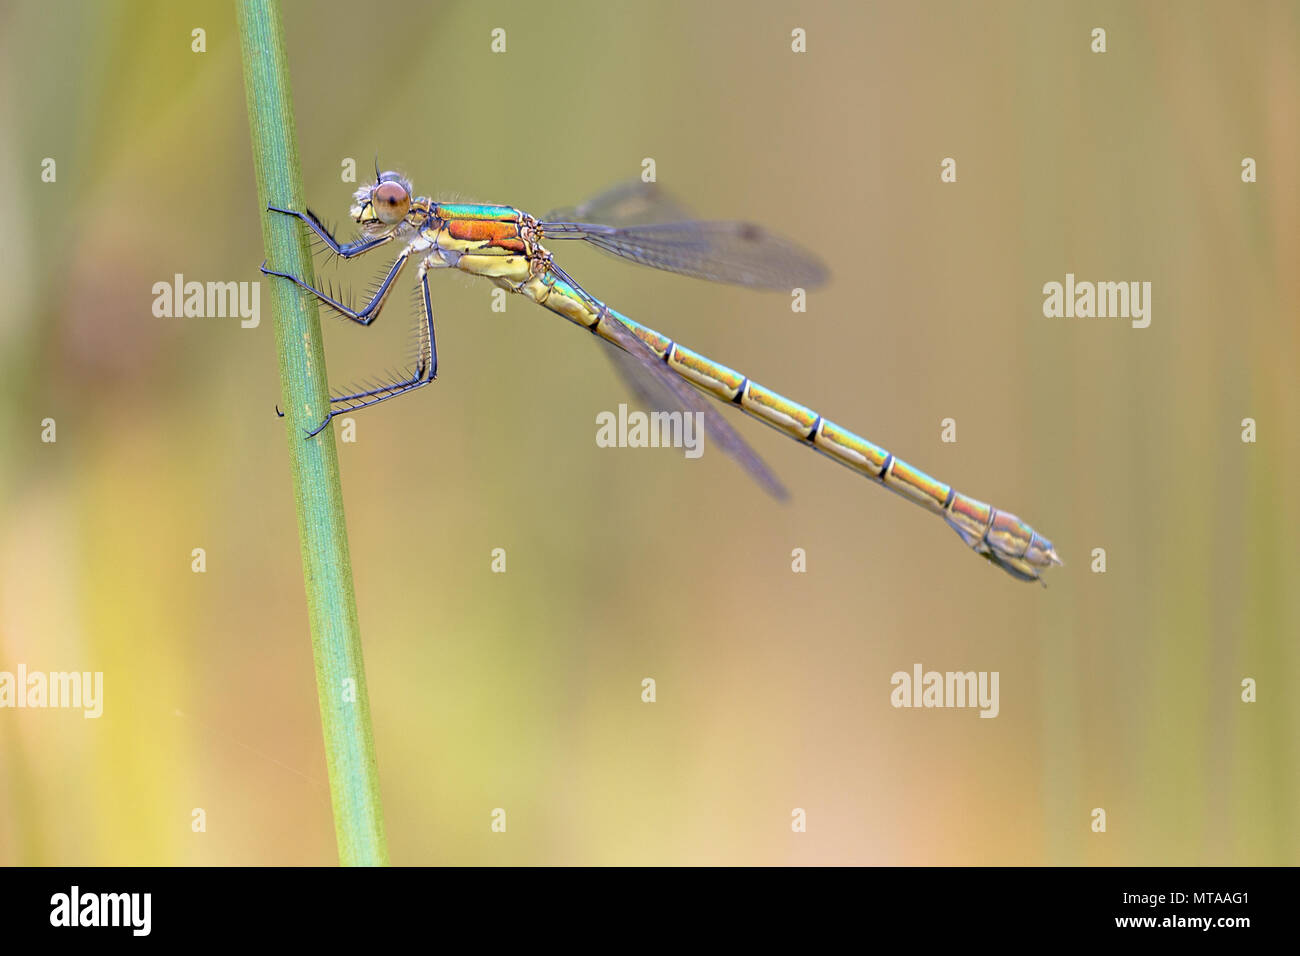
(322, 531)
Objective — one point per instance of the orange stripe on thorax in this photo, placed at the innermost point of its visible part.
(499, 235)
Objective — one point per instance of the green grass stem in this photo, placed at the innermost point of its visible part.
(322, 531)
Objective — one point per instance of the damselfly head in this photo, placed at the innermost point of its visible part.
(383, 204)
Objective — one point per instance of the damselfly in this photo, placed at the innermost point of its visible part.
(505, 245)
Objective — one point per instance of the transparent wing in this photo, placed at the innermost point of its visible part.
(649, 392)
(664, 390)
(740, 253)
(626, 204)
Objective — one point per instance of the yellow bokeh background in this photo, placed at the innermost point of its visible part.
(522, 690)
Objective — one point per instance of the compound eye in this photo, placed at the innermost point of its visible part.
(391, 201)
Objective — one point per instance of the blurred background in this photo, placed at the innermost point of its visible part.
(522, 690)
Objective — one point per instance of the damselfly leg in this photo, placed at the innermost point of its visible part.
(424, 371)
(363, 316)
(380, 294)
(348, 250)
